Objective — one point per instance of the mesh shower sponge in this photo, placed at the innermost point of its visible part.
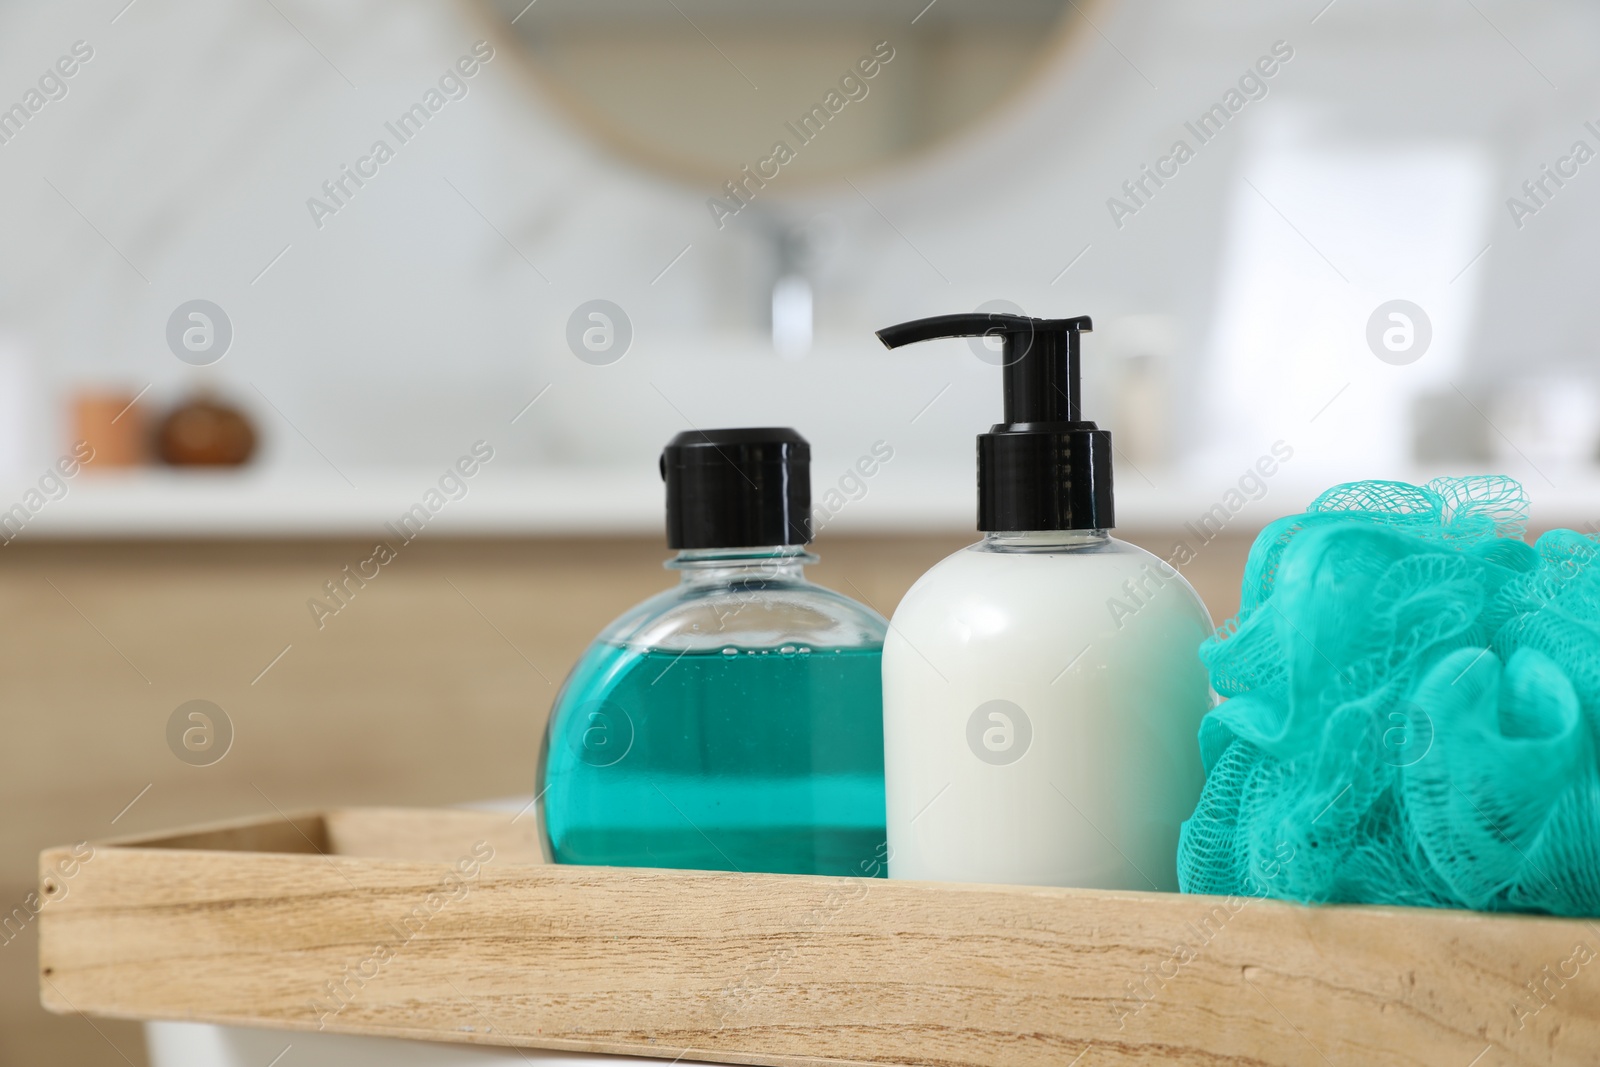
(1412, 712)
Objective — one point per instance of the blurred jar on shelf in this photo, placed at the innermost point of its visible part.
(112, 422)
(205, 431)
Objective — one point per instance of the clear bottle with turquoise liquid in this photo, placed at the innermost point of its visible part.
(734, 722)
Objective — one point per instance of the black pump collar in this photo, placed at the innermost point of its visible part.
(1045, 467)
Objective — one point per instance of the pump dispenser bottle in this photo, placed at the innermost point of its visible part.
(733, 722)
(1042, 692)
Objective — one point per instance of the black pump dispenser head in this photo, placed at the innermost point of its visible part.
(1045, 467)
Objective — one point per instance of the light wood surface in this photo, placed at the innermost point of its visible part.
(785, 970)
(429, 688)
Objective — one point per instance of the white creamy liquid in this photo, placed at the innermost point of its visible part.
(1086, 786)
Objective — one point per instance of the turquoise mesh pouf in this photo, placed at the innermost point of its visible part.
(1412, 709)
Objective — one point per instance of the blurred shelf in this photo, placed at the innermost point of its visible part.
(247, 504)
(604, 501)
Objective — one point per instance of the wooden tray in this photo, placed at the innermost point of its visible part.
(447, 925)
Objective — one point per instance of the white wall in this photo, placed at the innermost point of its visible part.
(407, 327)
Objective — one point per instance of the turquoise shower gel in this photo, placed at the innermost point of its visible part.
(766, 759)
(734, 722)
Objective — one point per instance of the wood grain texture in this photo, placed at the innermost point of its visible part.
(431, 688)
(786, 970)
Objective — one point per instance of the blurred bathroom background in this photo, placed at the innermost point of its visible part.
(1373, 254)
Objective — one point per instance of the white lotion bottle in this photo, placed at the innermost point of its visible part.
(1042, 690)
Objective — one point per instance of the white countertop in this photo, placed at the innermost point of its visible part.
(572, 501)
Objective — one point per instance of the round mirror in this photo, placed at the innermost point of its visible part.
(806, 89)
